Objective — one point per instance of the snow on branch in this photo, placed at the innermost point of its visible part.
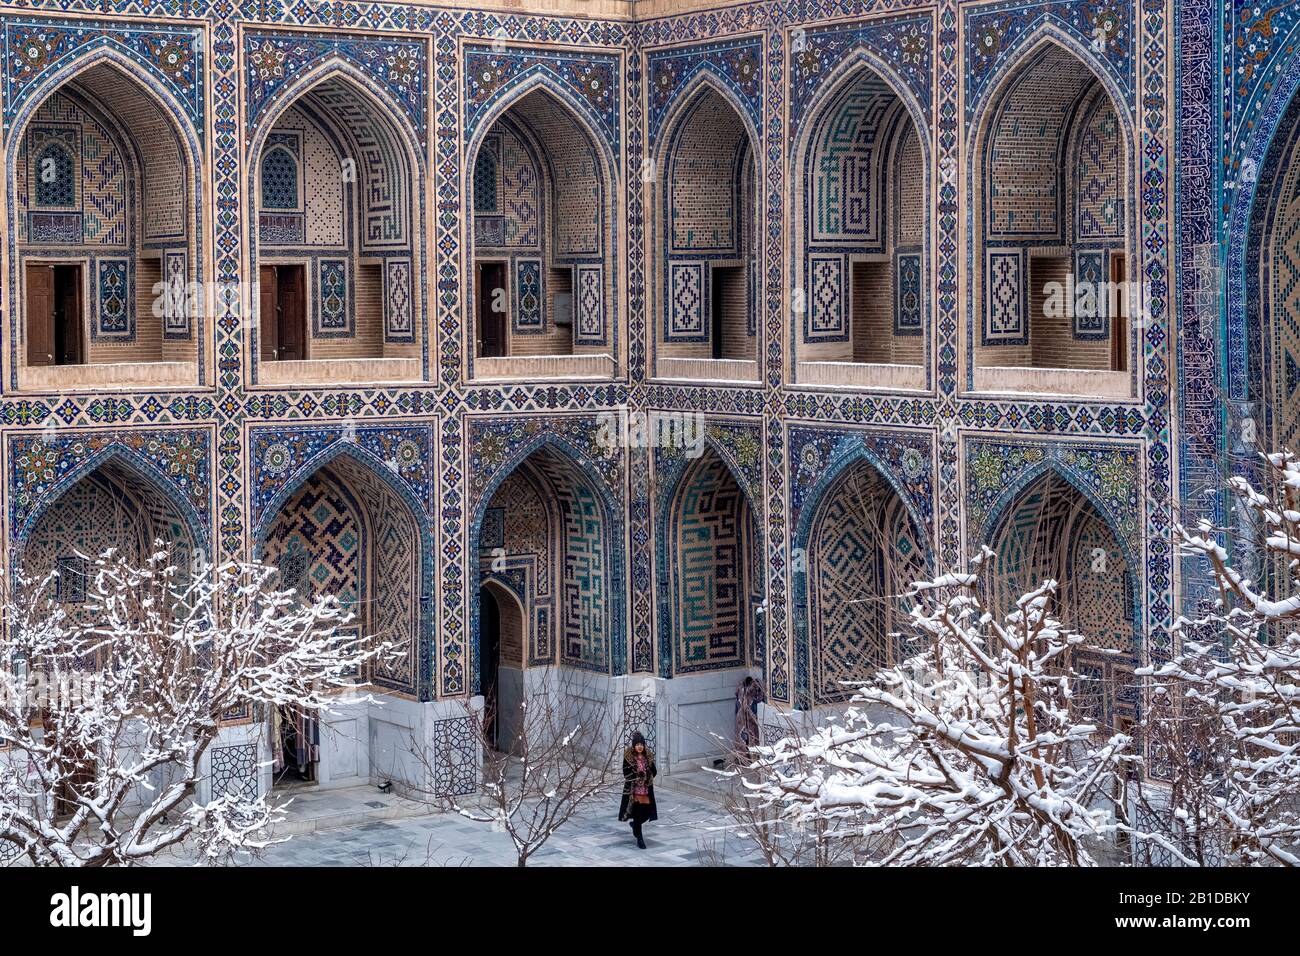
(108, 706)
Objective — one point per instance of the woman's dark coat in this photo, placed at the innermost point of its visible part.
(629, 774)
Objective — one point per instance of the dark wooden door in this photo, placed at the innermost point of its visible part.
(291, 288)
(1119, 318)
(268, 311)
(491, 309)
(40, 314)
(67, 315)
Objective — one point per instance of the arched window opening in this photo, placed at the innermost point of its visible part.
(1051, 230)
(543, 243)
(708, 241)
(105, 237)
(338, 242)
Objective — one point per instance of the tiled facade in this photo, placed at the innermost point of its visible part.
(878, 194)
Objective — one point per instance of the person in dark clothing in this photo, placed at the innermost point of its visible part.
(638, 806)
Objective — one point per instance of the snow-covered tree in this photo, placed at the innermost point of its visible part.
(1234, 689)
(551, 754)
(972, 752)
(107, 707)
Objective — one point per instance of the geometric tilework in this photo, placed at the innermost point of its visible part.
(907, 295)
(686, 311)
(455, 763)
(55, 184)
(827, 316)
(399, 325)
(864, 554)
(279, 179)
(710, 576)
(485, 177)
(493, 532)
(176, 307)
(528, 296)
(590, 302)
(333, 285)
(234, 771)
(315, 541)
(930, 70)
(1099, 198)
(347, 533)
(1006, 320)
(115, 311)
(1093, 320)
(641, 714)
(1051, 531)
(585, 599)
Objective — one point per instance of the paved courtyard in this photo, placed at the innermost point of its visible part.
(690, 831)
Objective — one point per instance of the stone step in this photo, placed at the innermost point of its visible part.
(314, 809)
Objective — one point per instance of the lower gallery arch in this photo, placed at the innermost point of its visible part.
(115, 507)
(864, 552)
(546, 533)
(501, 678)
(1052, 531)
(345, 532)
(711, 556)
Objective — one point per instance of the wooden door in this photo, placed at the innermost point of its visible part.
(40, 314)
(67, 315)
(268, 314)
(1119, 317)
(292, 292)
(491, 319)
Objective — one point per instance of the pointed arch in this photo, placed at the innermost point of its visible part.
(181, 338)
(366, 538)
(863, 546)
(708, 205)
(350, 452)
(1050, 527)
(362, 268)
(846, 264)
(1026, 47)
(604, 557)
(1267, 151)
(339, 68)
(146, 472)
(1022, 242)
(556, 237)
(513, 93)
(709, 567)
(115, 501)
(997, 512)
(706, 78)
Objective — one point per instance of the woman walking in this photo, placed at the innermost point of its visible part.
(638, 806)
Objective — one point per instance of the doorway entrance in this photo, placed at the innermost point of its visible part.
(54, 311)
(491, 289)
(295, 747)
(282, 297)
(727, 309)
(489, 657)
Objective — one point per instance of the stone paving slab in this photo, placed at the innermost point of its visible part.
(593, 838)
